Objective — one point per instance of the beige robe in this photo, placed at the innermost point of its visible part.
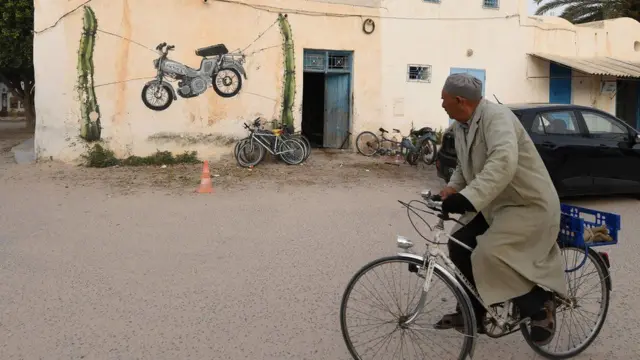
(501, 173)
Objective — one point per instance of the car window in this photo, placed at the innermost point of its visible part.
(555, 123)
(598, 124)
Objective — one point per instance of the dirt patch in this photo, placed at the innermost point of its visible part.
(326, 168)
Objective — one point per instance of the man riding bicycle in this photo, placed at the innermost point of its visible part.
(511, 211)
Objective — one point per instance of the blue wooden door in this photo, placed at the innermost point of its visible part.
(559, 84)
(337, 109)
(480, 74)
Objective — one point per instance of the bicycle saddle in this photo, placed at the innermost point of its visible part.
(383, 130)
(422, 131)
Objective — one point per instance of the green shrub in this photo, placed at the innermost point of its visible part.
(99, 157)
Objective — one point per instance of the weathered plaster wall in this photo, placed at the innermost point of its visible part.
(618, 38)
(452, 33)
(204, 123)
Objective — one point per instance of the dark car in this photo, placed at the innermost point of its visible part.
(586, 150)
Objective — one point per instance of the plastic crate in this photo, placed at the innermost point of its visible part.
(575, 219)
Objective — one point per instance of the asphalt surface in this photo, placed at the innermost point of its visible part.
(246, 274)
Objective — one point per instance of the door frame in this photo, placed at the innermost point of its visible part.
(316, 60)
(622, 84)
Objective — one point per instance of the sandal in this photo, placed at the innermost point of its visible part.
(543, 330)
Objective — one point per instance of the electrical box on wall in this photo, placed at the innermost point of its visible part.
(608, 87)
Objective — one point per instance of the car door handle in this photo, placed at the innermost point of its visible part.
(549, 145)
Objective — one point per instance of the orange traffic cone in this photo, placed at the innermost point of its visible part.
(206, 186)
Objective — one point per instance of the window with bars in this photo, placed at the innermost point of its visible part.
(493, 4)
(338, 62)
(327, 61)
(419, 73)
(314, 61)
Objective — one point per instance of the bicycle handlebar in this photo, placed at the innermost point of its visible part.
(434, 202)
(162, 45)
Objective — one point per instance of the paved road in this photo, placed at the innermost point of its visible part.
(253, 274)
(11, 124)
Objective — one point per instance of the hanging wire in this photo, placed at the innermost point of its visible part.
(259, 36)
(62, 17)
(263, 49)
(273, 9)
(127, 39)
(124, 81)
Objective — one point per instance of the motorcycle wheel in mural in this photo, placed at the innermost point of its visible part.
(218, 68)
(227, 82)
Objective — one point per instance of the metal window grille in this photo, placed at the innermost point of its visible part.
(314, 61)
(419, 73)
(490, 3)
(327, 61)
(338, 62)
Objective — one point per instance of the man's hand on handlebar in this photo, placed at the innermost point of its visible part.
(457, 204)
(447, 191)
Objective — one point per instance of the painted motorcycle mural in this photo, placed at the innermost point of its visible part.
(219, 68)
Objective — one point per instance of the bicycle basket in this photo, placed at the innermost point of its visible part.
(582, 227)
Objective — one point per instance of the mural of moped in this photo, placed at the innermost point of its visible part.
(218, 68)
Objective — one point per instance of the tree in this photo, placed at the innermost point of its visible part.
(16, 52)
(584, 11)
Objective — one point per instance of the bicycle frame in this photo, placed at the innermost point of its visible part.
(260, 139)
(399, 143)
(429, 260)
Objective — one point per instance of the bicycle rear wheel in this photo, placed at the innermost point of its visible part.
(429, 151)
(578, 278)
(417, 340)
(367, 143)
(237, 146)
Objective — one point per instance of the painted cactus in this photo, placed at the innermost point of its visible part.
(89, 110)
(289, 88)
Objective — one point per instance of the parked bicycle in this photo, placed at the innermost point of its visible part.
(408, 321)
(419, 144)
(426, 143)
(251, 150)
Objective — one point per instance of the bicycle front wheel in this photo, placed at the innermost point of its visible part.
(384, 295)
(291, 151)
(249, 153)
